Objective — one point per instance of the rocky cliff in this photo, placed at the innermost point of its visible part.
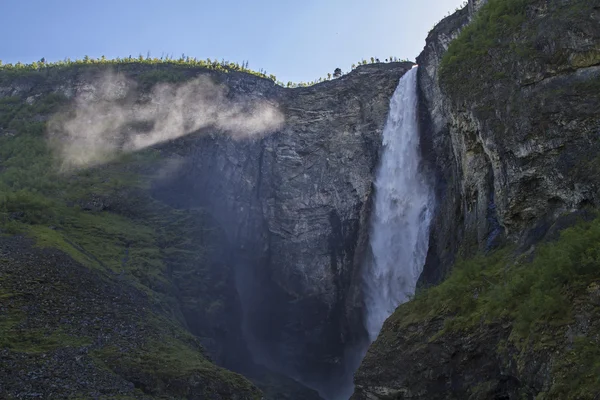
(503, 120)
(295, 206)
(510, 125)
(240, 208)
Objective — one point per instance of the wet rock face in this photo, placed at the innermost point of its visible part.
(458, 166)
(295, 207)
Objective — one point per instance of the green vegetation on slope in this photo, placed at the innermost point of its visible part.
(101, 216)
(502, 38)
(104, 219)
(82, 332)
(490, 31)
(68, 211)
(540, 295)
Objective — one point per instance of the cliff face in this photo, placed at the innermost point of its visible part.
(510, 132)
(295, 208)
(510, 125)
(437, 145)
(251, 238)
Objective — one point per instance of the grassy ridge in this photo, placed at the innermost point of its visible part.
(42, 67)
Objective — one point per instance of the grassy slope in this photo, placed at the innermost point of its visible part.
(497, 19)
(103, 219)
(540, 297)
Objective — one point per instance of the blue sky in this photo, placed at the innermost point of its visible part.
(297, 40)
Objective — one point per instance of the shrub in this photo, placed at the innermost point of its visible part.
(27, 206)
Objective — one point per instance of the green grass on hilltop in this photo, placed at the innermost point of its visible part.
(42, 67)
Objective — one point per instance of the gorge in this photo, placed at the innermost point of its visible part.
(208, 234)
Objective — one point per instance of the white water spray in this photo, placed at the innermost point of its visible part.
(402, 214)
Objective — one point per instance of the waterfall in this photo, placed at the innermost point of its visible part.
(402, 212)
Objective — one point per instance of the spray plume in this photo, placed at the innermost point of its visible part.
(107, 120)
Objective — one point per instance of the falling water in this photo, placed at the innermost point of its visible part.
(403, 210)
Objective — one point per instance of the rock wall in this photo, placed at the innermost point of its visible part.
(437, 145)
(295, 208)
(507, 142)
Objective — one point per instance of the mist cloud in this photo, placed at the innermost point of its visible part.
(106, 121)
